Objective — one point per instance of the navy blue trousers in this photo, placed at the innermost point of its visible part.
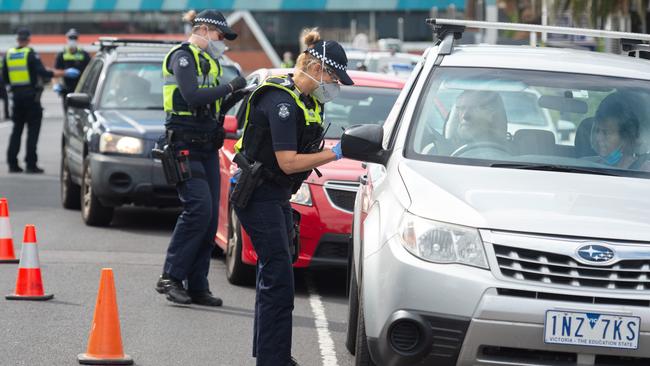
(270, 224)
(190, 249)
(25, 113)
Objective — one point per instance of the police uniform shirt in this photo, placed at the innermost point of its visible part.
(279, 109)
(36, 70)
(61, 64)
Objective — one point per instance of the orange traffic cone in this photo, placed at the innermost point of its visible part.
(29, 285)
(6, 242)
(105, 342)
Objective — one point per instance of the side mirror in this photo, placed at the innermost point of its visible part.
(78, 100)
(230, 125)
(364, 143)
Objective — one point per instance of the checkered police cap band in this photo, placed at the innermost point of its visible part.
(328, 61)
(210, 21)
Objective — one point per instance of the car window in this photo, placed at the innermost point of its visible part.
(358, 105)
(133, 85)
(487, 116)
(229, 72)
(89, 80)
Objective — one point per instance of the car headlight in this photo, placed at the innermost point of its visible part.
(441, 242)
(111, 143)
(303, 196)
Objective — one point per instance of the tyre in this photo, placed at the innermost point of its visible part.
(353, 315)
(237, 272)
(92, 211)
(362, 354)
(70, 192)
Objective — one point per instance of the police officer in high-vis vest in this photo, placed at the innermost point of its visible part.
(284, 132)
(71, 57)
(192, 95)
(24, 72)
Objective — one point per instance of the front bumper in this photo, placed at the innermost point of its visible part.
(459, 315)
(324, 231)
(119, 180)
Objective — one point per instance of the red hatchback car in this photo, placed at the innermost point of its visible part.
(325, 203)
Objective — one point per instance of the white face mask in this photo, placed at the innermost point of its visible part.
(72, 43)
(215, 48)
(325, 92)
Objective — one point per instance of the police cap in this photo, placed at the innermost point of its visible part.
(213, 17)
(334, 56)
(72, 34)
(23, 34)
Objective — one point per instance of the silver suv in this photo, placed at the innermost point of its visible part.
(478, 244)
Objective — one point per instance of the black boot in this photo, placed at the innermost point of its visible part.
(15, 169)
(176, 293)
(161, 285)
(33, 169)
(205, 298)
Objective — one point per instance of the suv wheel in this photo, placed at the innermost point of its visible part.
(362, 355)
(237, 272)
(70, 192)
(92, 211)
(353, 315)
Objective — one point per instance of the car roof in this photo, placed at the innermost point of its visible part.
(360, 78)
(548, 59)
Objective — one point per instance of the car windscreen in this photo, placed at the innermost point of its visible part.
(133, 85)
(358, 105)
(533, 120)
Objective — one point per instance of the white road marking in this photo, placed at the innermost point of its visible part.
(325, 341)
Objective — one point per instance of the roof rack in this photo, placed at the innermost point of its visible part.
(106, 43)
(445, 28)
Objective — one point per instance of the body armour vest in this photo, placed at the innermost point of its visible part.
(179, 113)
(256, 141)
(17, 67)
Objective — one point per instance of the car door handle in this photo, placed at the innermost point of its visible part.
(363, 179)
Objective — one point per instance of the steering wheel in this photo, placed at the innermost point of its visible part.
(479, 145)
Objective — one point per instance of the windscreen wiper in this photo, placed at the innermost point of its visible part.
(553, 168)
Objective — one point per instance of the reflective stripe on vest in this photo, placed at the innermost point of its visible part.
(69, 56)
(171, 83)
(311, 116)
(17, 66)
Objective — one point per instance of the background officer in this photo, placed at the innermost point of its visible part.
(192, 100)
(287, 60)
(284, 131)
(71, 57)
(3, 92)
(25, 73)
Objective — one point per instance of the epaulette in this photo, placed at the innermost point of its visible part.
(286, 82)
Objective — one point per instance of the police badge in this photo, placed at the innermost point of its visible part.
(283, 112)
(183, 62)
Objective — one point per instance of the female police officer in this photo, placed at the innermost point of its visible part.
(192, 98)
(283, 132)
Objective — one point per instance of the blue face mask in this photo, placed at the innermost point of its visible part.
(614, 157)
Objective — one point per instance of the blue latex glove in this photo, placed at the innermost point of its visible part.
(58, 88)
(337, 150)
(71, 73)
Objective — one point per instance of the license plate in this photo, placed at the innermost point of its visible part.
(592, 329)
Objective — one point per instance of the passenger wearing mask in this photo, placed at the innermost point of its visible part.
(615, 134)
